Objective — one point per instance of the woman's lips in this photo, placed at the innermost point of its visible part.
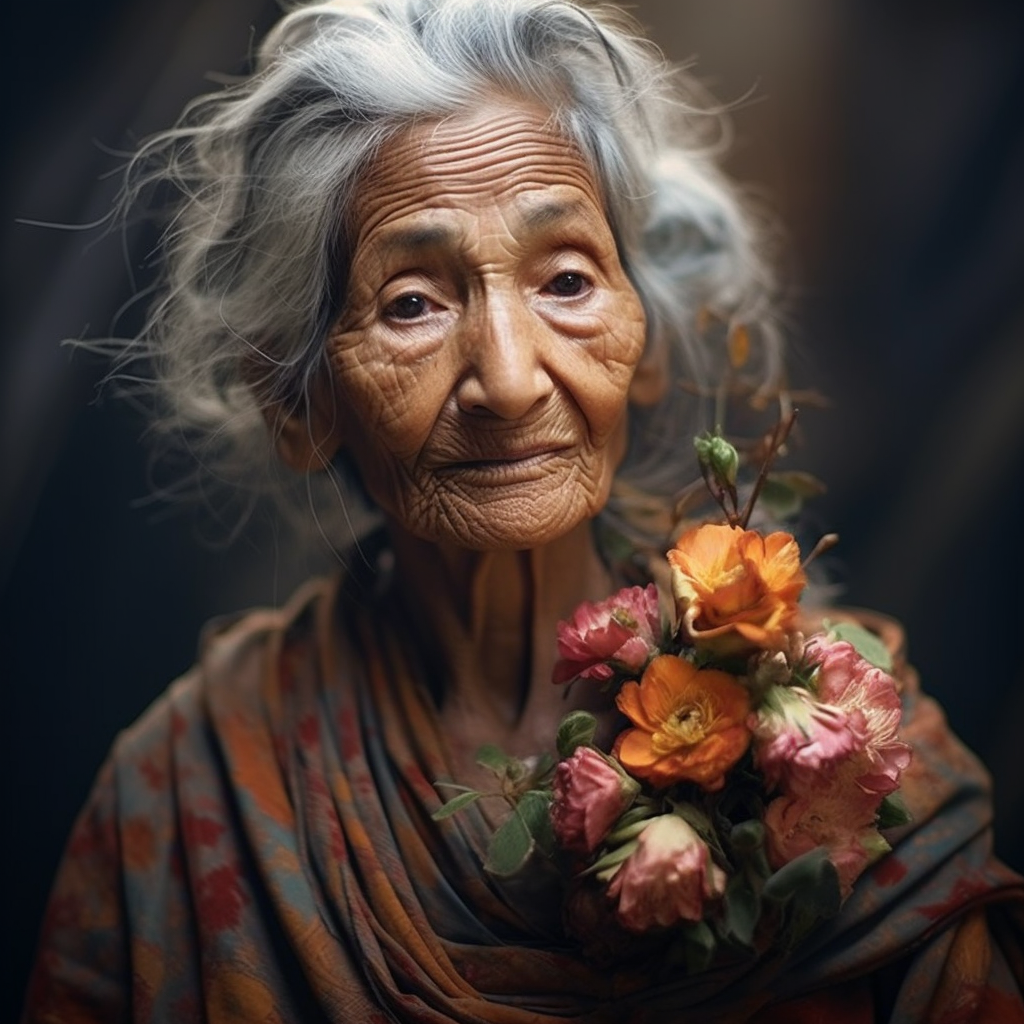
(506, 463)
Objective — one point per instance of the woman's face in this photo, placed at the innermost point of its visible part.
(484, 358)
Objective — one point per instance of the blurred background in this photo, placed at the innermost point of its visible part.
(887, 136)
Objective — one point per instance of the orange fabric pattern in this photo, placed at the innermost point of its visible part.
(259, 847)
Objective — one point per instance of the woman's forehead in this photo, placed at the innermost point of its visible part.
(505, 153)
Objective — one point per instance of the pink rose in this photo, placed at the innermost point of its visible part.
(619, 634)
(667, 878)
(589, 796)
(845, 827)
(799, 741)
(868, 697)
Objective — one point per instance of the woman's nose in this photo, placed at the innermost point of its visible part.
(507, 374)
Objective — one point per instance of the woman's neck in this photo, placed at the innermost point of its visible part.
(488, 622)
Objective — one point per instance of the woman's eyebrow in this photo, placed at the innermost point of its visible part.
(426, 237)
(535, 217)
(551, 210)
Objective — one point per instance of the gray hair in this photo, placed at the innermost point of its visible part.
(257, 254)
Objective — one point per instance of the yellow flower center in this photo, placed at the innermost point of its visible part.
(687, 725)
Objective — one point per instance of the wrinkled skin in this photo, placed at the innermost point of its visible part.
(480, 376)
(483, 361)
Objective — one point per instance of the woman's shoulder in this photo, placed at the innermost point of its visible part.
(236, 655)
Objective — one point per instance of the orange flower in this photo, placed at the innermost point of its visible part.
(736, 590)
(690, 724)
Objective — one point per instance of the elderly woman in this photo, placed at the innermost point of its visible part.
(446, 259)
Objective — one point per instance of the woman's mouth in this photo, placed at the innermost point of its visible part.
(519, 462)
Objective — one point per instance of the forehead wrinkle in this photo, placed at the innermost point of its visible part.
(514, 171)
(447, 139)
(456, 146)
(441, 166)
(495, 158)
(389, 222)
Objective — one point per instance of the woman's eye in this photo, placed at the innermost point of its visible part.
(406, 307)
(567, 284)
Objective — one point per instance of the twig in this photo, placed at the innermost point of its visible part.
(779, 435)
(827, 543)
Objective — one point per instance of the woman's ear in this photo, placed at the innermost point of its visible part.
(650, 379)
(307, 433)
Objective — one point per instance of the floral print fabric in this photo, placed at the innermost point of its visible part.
(259, 847)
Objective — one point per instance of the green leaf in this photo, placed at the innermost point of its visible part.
(746, 845)
(535, 809)
(892, 812)
(865, 643)
(510, 847)
(801, 873)
(810, 908)
(695, 818)
(699, 946)
(492, 757)
(577, 729)
(805, 485)
(804, 675)
(701, 823)
(808, 888)
(810, 880)
(742, 906)
(543, 767)
(783, 494)
(637, 813)
(800, 922)
(624, 833)
(456, 804)
(747, 837)
(779, 501)
(611, 859)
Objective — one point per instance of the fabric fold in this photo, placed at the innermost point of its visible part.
(260, 847)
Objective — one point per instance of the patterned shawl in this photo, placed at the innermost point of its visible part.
(259, 848)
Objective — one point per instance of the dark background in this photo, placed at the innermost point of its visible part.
(888, 136)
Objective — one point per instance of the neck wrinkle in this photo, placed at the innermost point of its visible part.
(489, 622)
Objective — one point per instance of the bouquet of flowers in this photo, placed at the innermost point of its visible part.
(758, 768)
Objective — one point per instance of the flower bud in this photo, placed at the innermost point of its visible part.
(771, 668)
(719, 457)
(668, 877)
(590, 793)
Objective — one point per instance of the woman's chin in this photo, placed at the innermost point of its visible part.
(506, 516)
(507, 525)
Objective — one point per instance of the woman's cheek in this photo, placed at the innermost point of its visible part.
(608, 371)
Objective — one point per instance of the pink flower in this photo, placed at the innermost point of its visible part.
(667, 878)
(845, 827)
(589, 796)
(619, 634)
(834, 758)
(868, 697)
(799, 741)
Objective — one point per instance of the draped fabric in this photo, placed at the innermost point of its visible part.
(259, 847)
